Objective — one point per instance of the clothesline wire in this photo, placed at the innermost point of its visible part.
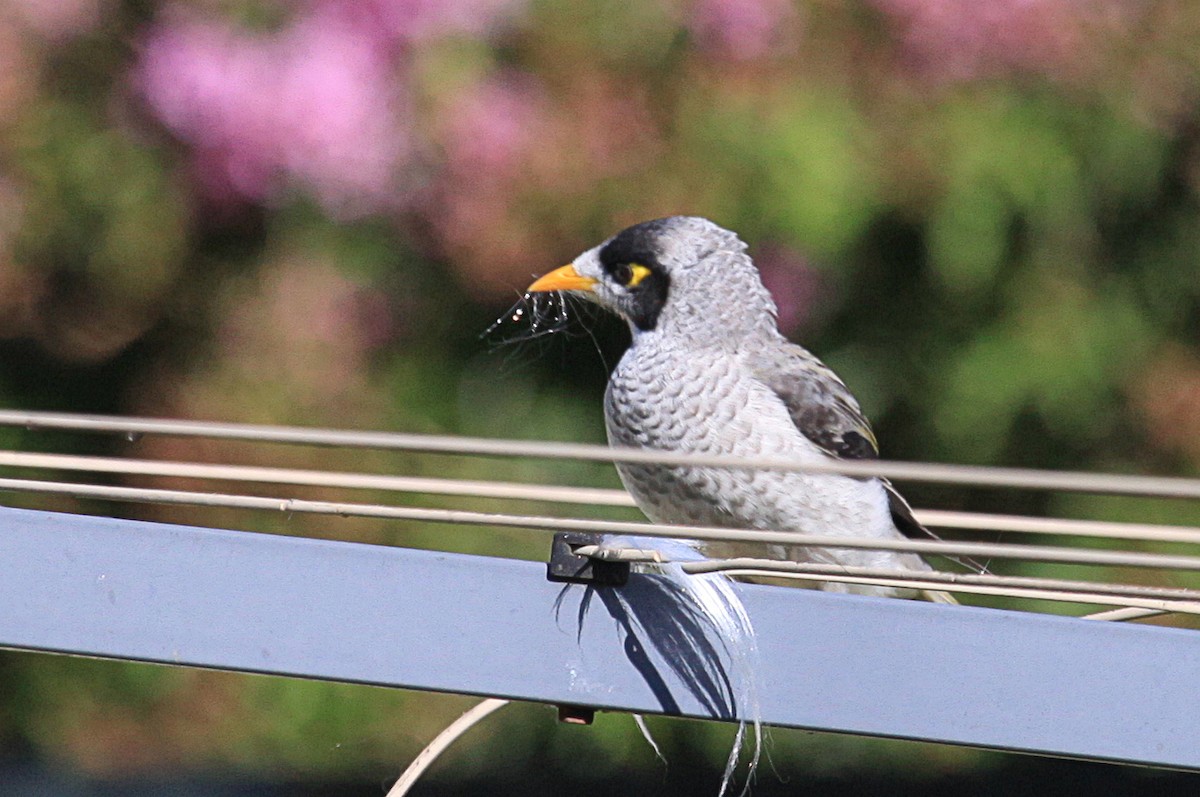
(563, 494)
(979, 550)
(1114, 484)
(474, 488)
(1026, 586)
(917, 581)
(1135, 600)
(942, 580)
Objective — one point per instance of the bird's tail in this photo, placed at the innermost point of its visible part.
(697, 627)
(704, 609)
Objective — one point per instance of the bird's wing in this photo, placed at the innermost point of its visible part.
(819, 403)
(824, 410)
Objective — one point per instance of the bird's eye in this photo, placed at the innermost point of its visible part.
(630, 274)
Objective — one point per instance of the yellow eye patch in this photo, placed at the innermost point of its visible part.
(637, 273)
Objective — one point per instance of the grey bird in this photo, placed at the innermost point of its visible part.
(709, 372)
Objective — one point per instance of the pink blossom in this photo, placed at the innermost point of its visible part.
(313, 104)
(961, 39)
(491, 127)
(495, 138)
(741, 29)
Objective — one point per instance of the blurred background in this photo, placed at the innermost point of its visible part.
(983, 215)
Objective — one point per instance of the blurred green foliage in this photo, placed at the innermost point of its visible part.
(308, 214)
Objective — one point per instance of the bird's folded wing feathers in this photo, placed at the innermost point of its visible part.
(824, 410)
(819, 403)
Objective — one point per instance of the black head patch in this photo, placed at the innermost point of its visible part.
(639, 245)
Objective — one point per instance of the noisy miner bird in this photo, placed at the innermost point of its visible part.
(709, 372)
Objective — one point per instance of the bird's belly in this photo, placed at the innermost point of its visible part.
(733, 417)
(725, 415)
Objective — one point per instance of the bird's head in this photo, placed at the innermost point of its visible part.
(683, 272)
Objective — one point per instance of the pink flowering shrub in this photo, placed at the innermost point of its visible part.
(322, 104)
(962, 39)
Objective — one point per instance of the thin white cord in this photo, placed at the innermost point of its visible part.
(1127, 613)
(440, 742)
(918, 583)
(1006, 477)
(942, 579)
(1161, 486)
(1082, 556)
(319, 478)
(980, 521)
(975, 521)
(1158, 598)
(1001, 586)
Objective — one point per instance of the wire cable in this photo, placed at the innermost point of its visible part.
(948, 581)
(1150, 600)
(440, 742)
(940, 578)
(980, 521)
(564, 494)
(1115, 484)
(1033, 553)
(319, 478)
(1127, 613)
(919, 583)
(1135, 601)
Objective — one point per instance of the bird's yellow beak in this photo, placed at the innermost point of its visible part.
(562, 279)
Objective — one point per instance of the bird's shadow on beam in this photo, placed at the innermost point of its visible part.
(670, 639)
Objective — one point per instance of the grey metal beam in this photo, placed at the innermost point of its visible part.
(449, 622)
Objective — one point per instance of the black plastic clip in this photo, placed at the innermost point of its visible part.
(569, 567)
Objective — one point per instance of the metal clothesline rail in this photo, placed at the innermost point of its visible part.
(146, 591)
(177, 595)
(1134, 598)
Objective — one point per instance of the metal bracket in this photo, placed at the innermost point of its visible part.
(566, 566)
(571, 714)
